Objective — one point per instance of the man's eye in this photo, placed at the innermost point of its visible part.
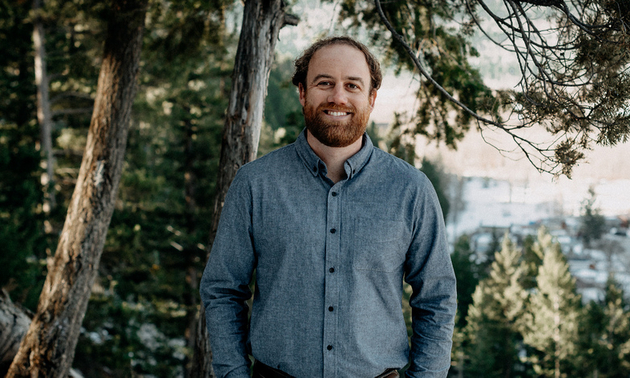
(353, 86)
(324, 83)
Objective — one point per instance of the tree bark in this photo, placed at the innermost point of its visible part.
(48, 348)
(14, 322)
(44, 116)
(262, 21)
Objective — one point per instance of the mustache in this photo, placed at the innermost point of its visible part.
(336, 108)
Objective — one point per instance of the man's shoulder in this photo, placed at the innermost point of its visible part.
(397, 169)
(269, 163)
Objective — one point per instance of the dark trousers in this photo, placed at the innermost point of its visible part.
(263, 371)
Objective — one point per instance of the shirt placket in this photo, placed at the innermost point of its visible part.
(331, 296)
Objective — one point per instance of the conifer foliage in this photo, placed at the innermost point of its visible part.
(605, 334)
(573, 58)
(527, 320)
(141, 316)
(494, 317)
(48, 348)
(552, 318)
(593, 222)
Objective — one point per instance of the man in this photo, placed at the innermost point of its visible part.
(330, 225)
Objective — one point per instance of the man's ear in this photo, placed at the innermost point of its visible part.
(372, 98)
(302, 93)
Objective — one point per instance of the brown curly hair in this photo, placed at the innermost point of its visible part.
(301, 64)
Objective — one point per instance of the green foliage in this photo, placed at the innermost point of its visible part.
(533, 258)
(21, 217)
(156, 246)
(468, 276)
(494, 318)
(128, 337)
(572, 56)
(429, 28)
(519, 326)
(282, 100)
(139, 320)
(593, 223)
(438, 178)
(283, 119)
(144, 302)
(551, 323)
(605, 334)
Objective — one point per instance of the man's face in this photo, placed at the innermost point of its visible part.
(337, 100)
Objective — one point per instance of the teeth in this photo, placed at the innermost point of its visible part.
(337, 113)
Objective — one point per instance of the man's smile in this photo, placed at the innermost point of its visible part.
(335, 113)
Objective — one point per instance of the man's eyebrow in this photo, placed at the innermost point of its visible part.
(355, 78)
(326, 76)
(322, 76)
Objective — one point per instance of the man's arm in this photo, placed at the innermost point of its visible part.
(224, 286)
(429, 271)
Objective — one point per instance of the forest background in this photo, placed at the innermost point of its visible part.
(518, 313)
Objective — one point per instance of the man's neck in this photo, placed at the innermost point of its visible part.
(334, 157)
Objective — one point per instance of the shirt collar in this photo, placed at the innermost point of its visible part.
(313, 163)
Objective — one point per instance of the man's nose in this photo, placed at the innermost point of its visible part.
(338, 95)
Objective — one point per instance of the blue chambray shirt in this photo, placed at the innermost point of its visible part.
(330, 261)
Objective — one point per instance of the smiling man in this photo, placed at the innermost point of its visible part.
(331, 225)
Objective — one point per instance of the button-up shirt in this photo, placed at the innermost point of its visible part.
(329, 261)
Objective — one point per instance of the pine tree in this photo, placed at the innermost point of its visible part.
(533, 257)
(435, 173)
(551, 322)
(605, 334)
(593, 223)
(21, 197)
(467, 273)
(494, 317)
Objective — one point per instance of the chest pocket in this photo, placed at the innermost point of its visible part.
(378, 245)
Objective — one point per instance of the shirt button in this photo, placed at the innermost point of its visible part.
(329, 347)
(332, 230)
(331, 270)
(330, 308)
(334, 194)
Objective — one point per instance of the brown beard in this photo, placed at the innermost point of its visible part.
(336, 134)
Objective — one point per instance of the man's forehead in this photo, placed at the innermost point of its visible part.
(340, 57)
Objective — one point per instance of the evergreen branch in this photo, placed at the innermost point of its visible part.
(424, 72)
(520, 141)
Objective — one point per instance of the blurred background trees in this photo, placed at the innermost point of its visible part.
(141, 315)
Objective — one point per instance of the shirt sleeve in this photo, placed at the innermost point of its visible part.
(429, 271)
(225, 282)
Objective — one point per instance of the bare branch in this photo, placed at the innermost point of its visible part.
(574, 75)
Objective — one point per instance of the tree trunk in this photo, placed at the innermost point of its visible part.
(48, 348)
(262, 21)
(44, 116)
(14, 323)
